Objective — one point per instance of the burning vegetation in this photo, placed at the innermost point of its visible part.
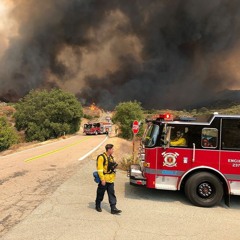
(92, 111)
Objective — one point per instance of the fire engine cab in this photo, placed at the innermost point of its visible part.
(97, 128)
(203, 158)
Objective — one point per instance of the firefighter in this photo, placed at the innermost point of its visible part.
(106, 171)
(205, 142)
(179, 140)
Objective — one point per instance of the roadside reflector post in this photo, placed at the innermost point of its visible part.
(134, 148)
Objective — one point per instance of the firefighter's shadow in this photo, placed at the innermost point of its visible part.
(104, 206)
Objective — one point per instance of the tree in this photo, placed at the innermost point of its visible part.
(203, 110)
(125, 114)
(48, 114)
(8, 135)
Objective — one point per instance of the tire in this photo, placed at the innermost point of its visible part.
(204, 189)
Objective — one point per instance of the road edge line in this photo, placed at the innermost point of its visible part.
(93, 150)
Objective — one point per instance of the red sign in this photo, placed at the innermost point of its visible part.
(135, 127)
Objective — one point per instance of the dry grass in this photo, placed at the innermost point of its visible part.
(127, 162)
(124, 152)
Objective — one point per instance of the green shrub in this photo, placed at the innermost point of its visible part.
(48, 114)
(125, 114)
(8, 135)
(89, 117)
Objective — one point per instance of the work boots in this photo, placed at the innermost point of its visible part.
(98, 209)
(115, 211)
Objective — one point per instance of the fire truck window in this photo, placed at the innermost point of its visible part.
(231, 134)
(151, 136)
(209, 137)
(194, 136)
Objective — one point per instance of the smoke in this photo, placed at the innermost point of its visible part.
(164, 54)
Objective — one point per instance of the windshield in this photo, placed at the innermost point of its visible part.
(151, 135)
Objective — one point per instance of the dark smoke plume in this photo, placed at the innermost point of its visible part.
(165, 54)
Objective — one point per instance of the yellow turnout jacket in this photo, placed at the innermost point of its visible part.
(180, 142)
(103, 168)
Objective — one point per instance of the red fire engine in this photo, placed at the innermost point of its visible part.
(203, 158)
(97, 128)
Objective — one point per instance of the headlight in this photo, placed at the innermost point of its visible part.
(142, 156)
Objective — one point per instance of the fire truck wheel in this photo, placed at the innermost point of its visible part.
(204, 189)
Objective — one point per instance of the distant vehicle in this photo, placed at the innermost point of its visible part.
(108, 118)
(97, 128)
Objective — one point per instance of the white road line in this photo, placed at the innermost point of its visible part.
(93, 150)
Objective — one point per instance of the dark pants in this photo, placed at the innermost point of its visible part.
(111, 194)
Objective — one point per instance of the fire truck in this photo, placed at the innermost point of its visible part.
(97, 128)
(200, 157)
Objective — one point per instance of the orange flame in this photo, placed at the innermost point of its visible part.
(93, 107)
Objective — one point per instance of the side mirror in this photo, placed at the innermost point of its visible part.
(165, 144)
(166, 140)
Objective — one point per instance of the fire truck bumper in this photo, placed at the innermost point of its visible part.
(136, 175)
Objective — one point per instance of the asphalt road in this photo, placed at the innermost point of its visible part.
(28, 177)
(68, 214)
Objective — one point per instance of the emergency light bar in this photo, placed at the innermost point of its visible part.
(166, 116)
(186, 119)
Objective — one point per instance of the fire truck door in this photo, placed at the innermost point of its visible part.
(206, 152)
(172, 163)
(178, 154)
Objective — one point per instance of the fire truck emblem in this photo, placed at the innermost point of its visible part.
(170, 159)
